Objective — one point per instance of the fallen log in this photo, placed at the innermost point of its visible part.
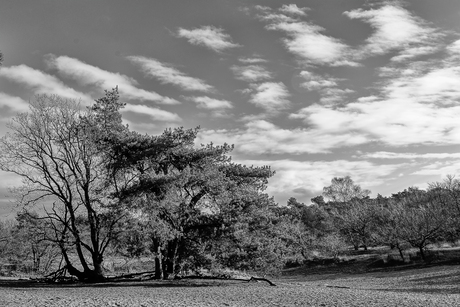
(257, 279)
(262, 279)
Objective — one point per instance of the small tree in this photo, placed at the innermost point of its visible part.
(30, 242)
(419, 220)
(357, 222)
(343, 190)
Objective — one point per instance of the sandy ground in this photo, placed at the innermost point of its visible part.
(434, 286)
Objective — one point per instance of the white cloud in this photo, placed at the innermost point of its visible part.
(154, 113)
(394, 122)
(86, 74)
(408, 155)
(40, 82)
(412, 52)
(272, 96)
(439, 85)
(454, 47)
(251, 73)
(208, 103)
(306, 41)
(417, 104)
(439, 168)
(316, 82)
(396, 29)
(16, 104)
(262, 137)
(332, 95)
(208, 36)
(167, 74)
(9, 180)
(252, 60)
(294, 9)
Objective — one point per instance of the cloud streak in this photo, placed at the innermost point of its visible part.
(271, 96)
(155, 113)
(305, 40)
(167, 74)
(204, 102)
(208, 36)
(40, 82)
(86, 74)
(407, 155)
(15, 104)
(262, 137)
(396, 29)
(251, 73)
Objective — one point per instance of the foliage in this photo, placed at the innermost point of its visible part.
(344, 190)
(102, 188)
(184, 195)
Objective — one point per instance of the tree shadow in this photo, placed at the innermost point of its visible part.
(21, 283)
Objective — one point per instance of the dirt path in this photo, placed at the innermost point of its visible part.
(438, 286)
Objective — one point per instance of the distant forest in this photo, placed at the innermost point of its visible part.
(93, 190)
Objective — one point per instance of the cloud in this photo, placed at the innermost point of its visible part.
(333, 95)
(439, 168)
(454, 47)
(40, 82)
(393, 122)
(252, 60)
(86, 74)
(262, 137)
(415, 104)
(167, 74)
(315, 82)
(306, 41)
(294, 9)
(307, 178)
(326, 86)
(154, 113)
(15, 104)
(208, 103)
(208, 36)
(271, 96)
(251, 73)
(396, 29)
(407, 155)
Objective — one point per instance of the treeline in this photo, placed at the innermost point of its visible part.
(93, 188)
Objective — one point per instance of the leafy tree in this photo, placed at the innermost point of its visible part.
(344, 190)
(56, 149)
(189, 194)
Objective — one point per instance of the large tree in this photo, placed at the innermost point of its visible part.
(189, 195)
(56, 149)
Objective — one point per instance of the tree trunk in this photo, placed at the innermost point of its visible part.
(158, 260)
(422, 252)
(400, 252)
(98, 273)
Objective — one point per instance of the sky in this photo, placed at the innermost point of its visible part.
(316, 89)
